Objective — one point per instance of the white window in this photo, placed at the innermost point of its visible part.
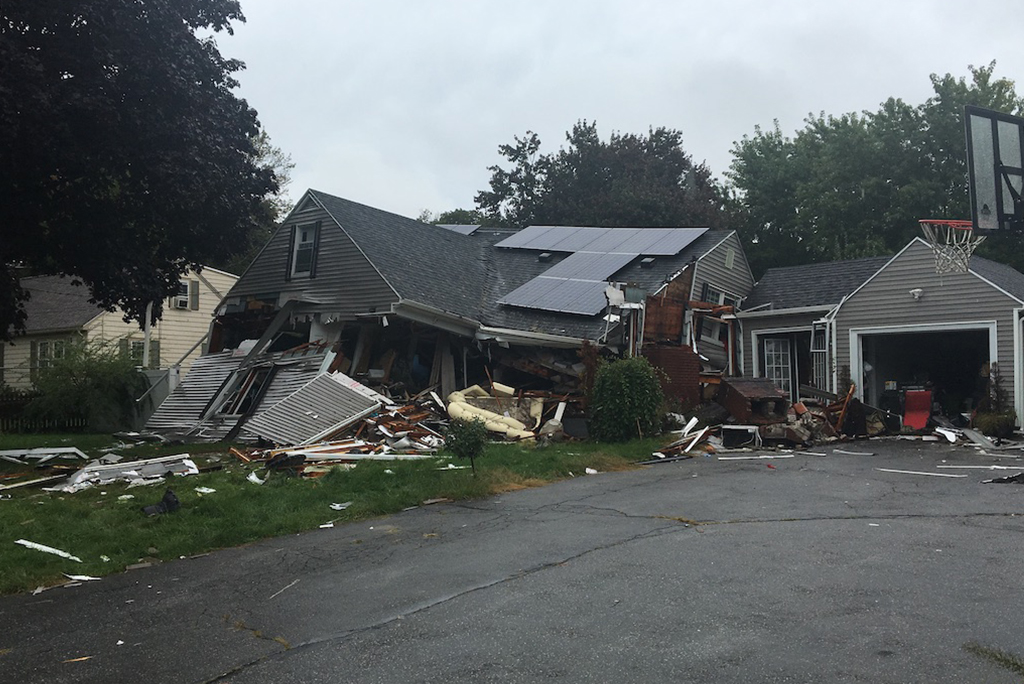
(303, 250)
(730, 257)
(777, 366)
(819, 355)
(49, 351)
(137, 351)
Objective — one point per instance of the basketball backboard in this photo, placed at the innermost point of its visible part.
(995, 160)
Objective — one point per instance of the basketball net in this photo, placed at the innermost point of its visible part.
(953, 243)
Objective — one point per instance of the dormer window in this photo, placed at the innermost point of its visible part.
(304, 245)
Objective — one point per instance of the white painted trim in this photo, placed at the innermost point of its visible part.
(1018, 365)
(755, 343)
(857, 334)
(761, 313)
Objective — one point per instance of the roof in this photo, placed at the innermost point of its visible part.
(466, 274)
(411, 255)
(56, 304)
(823, 284)
(510, 268)
(1000, 275)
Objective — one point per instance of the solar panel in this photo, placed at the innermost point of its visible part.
(584, 297)
(589, 266)
(651, 241)
(525, 237)
(464, 229)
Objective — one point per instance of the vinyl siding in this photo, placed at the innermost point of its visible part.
(180, 329)
(18, 357)
(345, 283)
(951, 298)
(735, 282)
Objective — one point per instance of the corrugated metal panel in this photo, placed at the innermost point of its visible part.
(183, 408)
(315, 408)
(289, 377)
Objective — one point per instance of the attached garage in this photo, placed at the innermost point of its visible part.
(907, 327)
(951, 361)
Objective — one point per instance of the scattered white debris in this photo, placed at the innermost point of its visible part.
(280, 591)
(389, 471)
(591, 471)
(204, 490)
(81, 578)
(340, 506)
(328, 525)
(126, 497)
(252, 477)
(47, 549)
(852, 453)
(917, 472)
(754, 458)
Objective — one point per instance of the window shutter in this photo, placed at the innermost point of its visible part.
(124, 348)
(316, 251)
(154, 354)
(33, 360)
(193, 295)
(291, 253)
(705, 292)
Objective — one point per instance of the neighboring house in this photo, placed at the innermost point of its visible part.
(59, 312)
(451, 305)
(904, 326)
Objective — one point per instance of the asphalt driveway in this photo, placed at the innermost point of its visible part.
(819, 569)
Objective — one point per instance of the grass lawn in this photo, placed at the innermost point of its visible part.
(109, 532)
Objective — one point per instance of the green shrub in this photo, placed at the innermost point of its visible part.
(626, 401)
(466, 439)
(93, 381)
(996, 424)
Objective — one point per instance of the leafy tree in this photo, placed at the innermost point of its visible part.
(275, 206)
(93, 381)
(630, 180)
(856, 184)
(125, 158)
(463, 217)
(626, 401)
(466, 438)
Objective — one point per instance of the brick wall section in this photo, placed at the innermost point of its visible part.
(682, 367)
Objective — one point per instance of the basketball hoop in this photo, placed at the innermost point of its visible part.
(953, 243)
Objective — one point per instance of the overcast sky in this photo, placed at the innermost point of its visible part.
(402, 104)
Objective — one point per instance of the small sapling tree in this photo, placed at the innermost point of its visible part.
(466, 438)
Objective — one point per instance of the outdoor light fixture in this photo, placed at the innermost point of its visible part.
(917, 293)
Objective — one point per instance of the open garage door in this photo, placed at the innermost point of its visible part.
(952, 363)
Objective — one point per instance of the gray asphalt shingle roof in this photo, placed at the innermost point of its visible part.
(422, 262)
(812, 284)
(1000, 275)
(467, 274)
(55, 304)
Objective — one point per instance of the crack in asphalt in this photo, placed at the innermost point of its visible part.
(419, 608)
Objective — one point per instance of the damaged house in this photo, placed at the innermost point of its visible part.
(403, 305)
(890, 325)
